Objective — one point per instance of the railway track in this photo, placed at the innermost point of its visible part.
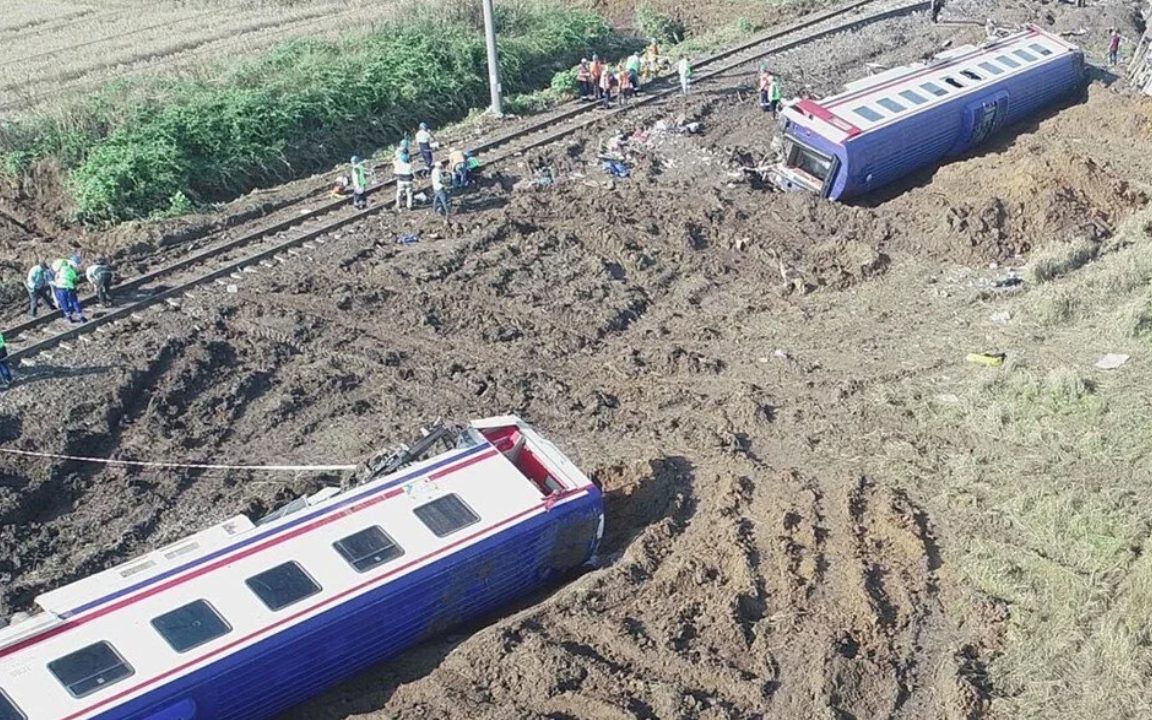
(272, 242)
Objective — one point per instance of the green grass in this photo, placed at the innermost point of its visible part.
(140, 151)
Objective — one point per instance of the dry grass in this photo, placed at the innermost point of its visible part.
(1041, 469)
(52, 53)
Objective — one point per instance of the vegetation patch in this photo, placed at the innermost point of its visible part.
(157, 149)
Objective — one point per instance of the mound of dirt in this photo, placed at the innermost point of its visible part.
(1051, 181)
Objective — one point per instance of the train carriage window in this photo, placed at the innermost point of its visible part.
(991, 68)
(912, 97)
(446, 515)
(8, 709)
(282, 586)
(934, 89)
(953, 82)
(191, 626)
(1005, 60)
(1024, 55)
(367, 549)
(1040, 49)
(868, 114)
(890, 105)
(90, 669)
(970, 75)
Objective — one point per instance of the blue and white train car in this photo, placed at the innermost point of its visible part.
(888, 125)
(243, 620)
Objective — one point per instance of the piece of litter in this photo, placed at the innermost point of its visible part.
(948, 398)
(782, 355)
(989, 359)
(1111, 361)
(763, 359)
(232, 289)
(408, 239)
(1001, 317)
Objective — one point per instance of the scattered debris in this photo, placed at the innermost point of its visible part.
(408, 239)
(1111, 361)
(948, 398)
(782, 355)
(1001, 317)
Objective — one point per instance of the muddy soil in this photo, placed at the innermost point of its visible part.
(657, 328)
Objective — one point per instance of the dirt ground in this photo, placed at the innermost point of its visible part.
(711, 353)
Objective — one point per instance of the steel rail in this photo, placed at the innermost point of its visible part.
(545, 133)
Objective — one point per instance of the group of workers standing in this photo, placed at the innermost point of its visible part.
(455, 171)
(600, 81)
(54, 285)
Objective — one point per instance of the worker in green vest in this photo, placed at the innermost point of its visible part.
(359, 184)
(774, 95)
(5, 370)
(67, 275)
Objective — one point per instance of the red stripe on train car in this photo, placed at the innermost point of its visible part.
(69, 625)
(546, 505)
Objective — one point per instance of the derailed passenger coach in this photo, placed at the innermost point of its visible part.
(244, 619)
(889, 125)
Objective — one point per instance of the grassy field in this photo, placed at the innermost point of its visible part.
(1043, 467)
(145, 147)
(51, 53)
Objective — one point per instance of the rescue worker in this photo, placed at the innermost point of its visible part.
(64, 282)
(632, 67)
(627, 90)
(440, 201)
(424, 142)
(774, 92)
(763, 83)
(38, 284)
(584, 79)
(402, 150)
(5, 368)
(596, 70)
(684, 69)
(402, 170)
(359, 184)
(937, 6)
(459, 165)
(650, 66)
(1114, 47)
(99, 276)
(607, 80)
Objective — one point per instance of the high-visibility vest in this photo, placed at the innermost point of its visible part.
(423, 137)
(359, 177)
(402, 170)
(583, 74)
(2, 343)
(66, 276)
(774, 90)
(597, 69)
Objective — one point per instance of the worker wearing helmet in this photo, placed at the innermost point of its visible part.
(359, 184)
(424, 143)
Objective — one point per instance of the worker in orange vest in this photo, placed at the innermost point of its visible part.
(584, 79)
(596, 70)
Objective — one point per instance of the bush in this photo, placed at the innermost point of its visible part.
(651, 23)
(296, 110)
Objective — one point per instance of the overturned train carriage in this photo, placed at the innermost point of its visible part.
(245, 619)
(889, 125)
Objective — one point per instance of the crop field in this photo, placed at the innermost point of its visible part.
(52, 52)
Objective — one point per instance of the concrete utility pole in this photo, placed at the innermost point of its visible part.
(493, 65)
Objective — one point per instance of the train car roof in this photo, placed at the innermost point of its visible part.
(879, 100)
(221, 542)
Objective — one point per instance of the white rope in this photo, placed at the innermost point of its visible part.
(189, 466)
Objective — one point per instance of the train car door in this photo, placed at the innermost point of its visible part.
(980, 119)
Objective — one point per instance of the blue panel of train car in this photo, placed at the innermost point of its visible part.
(243, 620)
(887, 126)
